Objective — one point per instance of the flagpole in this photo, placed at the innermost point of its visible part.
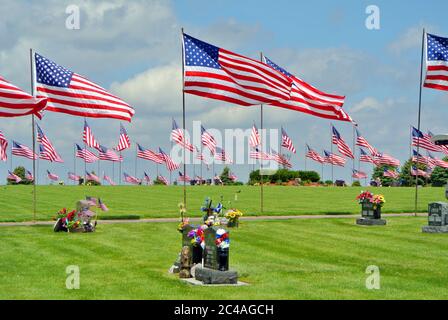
(34, 138)
(354, 151)
(419, 117)
(261, 147)
(85, 161)
(331, 150)
(410, 153)
(305, 157)
(74, 163)
(135, 164)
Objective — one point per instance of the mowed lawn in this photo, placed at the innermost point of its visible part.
(294, 259)
(162, 201)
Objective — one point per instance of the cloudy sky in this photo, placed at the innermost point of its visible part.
(133, 48)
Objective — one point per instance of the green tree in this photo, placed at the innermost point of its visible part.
(405, 175)
(378, 172)
(439, 176)
(225, 176)
(20, 172)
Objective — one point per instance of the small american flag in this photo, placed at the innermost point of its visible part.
(92, 177)
(287, 142)
(221, 155)
(419, 172)
(280, 159)
(13, 177)
(178, 136)
(52, 176)
(147, 154)
(254, 139)
(342, 146)
(418, 158)
(390, 173)
(199, 155)
(48, 149)
(436, 62)
(359, 174)
(15, 102)
(21, 150)
(88, 138)
(73, 94)
(260, 155)
(107, 154)
(73, 176)
(208, 140)
(424, 141)
(364, 157)
(93, 201)
(219, 74)
(384, 158)
(162, 179)
(102, 205)
(3, 147)
(314, 155)
(124, 142)
(232, 176)
(29, 176)
(362, 142)
(146, 178)
(334, 159)
(43, 154)
(130, 179)
(108, 180)
(85, 154)
(170, 164)
(182, 177)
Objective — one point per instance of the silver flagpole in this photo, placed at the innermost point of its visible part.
(183, 125)
(261, 147)
(34, 138)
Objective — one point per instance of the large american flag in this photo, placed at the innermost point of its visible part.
(124, 142)
(280, 159)
(418, 158)
(424, 141)
(86, 155)
(308, 99)
(89, 138)
(334, 159)
(92, 177)
(219, 74)
(107, 154)
(163, 179)
(73, 94)
(15, 102)
(48, 148)
(437, 162)
(390, 173)
(178, 136)
(182, 177)
(13, 177)
(108, 179)
(359, 174)
(147, 154)
(208, 140)
(362, 142)
(170, 164)
(418, 172)
(52, 176)
(342, 146)
(436, 62)
(254, 139)
(314, 155)
(3, 147)
(73, 176)
(287, 142)
(29, 176)
(43, 155)
(21, 150)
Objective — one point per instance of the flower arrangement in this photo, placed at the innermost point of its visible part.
(181, 226)
(378, 200)
(197, 236)
(233, 215)
(365, 196)
(69, 220)
(222, 239)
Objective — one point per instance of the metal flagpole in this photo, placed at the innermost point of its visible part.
(113, 170)
(419, 118)
(135, 164)
(331, 150)
(85, 162)
(183, 125)
(261, 149)
(74, 163)
(33, 137)
(354, 151)
(305, 157)
(410, 153)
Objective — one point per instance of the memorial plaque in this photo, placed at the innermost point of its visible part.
(367, 210)
(437, 214)
(185, 240)
(211, 250)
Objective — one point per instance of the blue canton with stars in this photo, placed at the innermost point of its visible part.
(276, 67)
(437, 48)
(49, 73)
(200, 54)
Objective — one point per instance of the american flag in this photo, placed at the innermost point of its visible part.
(418, 158)
(124, 142)
(163, 179)
(314, 155)
(436, 62)
(43, 154)
(3, 147)
(73, 176)
(359, 174)
(208, 140)
(85, 154)
(334, 159)
(384, 158)
(13, 177)
(390, 173)
(48, 148)
(424, 140)
(131, 179)
(199, 155)
(217, 179)
(287, 142)
(29, 176)
(364, 157)
(280, 159)
(108, 179)
(442, 148)
(254, 139)
(437, 162)
(107, 154)
(232, 176)
(362, 142)
(342, 146)
(147, 154)
(102, 205)
(219, 74)
(419, 172)
(178, 136)
(170, 164)
(15, 102)
(21, 150)
(52, 176)
(258, 154)
(308, 99)
(92, 177)
(146, 178)
(93, 201)
(71, 93)
(88, 137)
(182, 177)
(221, 155)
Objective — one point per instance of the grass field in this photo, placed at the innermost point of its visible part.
(294, 259)
(161, 201)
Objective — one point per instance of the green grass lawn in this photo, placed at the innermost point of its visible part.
(161, 201)
(295, 259)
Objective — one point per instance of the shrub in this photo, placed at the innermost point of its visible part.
(356, 183)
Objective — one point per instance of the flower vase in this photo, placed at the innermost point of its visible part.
(233, 223)
(223, 259)
(377, 212)
(197, 254)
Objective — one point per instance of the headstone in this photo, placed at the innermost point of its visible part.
(370, 216)
(215, 258)
(195, 250)
(437, 218)
(211, 276)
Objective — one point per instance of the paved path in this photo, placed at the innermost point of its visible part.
(155, 220)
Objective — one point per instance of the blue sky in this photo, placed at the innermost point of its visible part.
(133, 48)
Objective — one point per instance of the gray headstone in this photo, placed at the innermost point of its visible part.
(210, 276)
